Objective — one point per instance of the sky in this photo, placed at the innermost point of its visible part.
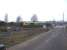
(65, 9)
(46, 10)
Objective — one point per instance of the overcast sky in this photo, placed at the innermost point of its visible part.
(44, 9)
(65, 9)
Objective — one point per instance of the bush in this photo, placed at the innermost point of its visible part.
(32, 25)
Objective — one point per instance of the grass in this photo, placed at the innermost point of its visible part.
(19, 37)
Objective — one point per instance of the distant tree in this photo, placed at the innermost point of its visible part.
(34, 18)
(3, 26)
(18, 23)
(11, 23)
(49, 25)
(2, 23)
(6, 18)
(18, 19)
(21, 24)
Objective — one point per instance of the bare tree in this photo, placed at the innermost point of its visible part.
(6, 18)
(18, 19)
(6, 21)
(18, 23)
(34, 18)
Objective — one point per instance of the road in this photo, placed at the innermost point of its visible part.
(52, 40)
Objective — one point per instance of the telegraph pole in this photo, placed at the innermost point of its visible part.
(63, 20)
(63, 17)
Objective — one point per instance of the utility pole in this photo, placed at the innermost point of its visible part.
(63, 20)
(54, 22)
(63, 17)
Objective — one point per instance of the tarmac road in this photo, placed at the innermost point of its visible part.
(52, 40)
